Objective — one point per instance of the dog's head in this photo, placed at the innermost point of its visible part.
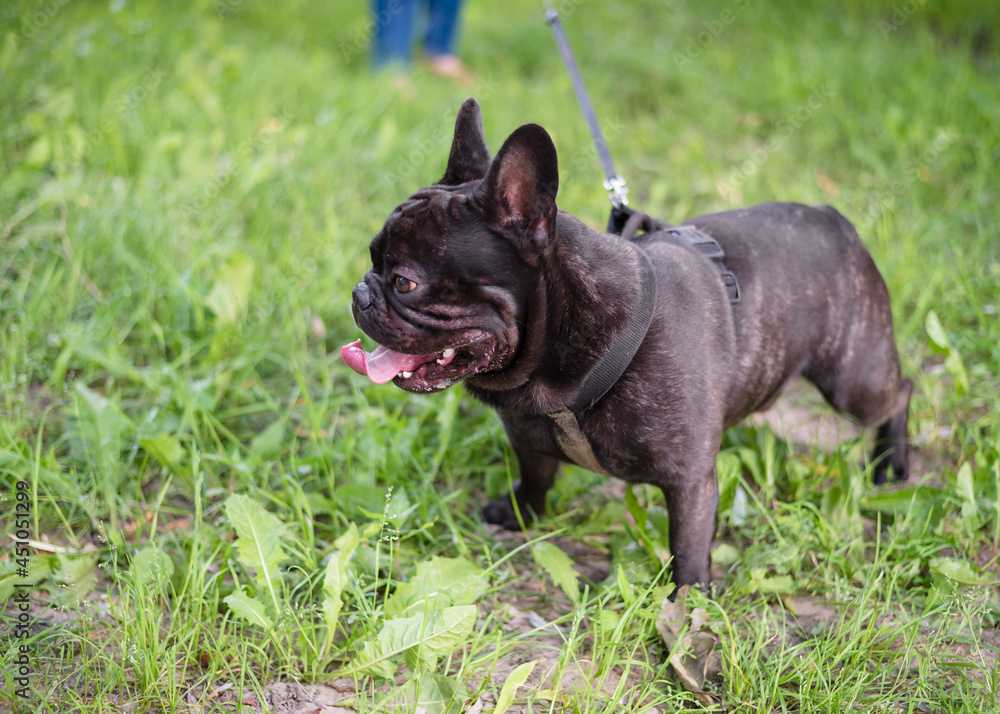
(455, 265)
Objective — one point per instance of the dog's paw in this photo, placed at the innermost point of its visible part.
(501, 513)
(898, 468)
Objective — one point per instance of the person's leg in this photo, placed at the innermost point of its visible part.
(393, 32)
(442, 27)
(439, 41)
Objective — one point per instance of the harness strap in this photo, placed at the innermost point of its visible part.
(627, 222)
(572, 441)
(619, 355)
(607, 371)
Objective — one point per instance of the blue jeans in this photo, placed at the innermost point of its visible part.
(394, 29)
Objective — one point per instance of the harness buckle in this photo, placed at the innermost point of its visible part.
(701, 242)
(732, 286)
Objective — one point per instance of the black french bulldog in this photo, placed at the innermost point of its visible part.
(480, 277)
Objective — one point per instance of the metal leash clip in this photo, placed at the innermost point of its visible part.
(618, 191)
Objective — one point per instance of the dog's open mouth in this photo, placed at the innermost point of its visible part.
(419, 373)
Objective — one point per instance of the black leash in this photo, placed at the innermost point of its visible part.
(613, 181)
(625, 221)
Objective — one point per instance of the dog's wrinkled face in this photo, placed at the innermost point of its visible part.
(452, 268)
(438, 298)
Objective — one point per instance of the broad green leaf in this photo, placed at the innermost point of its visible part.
(728, 467)
(938, 338)
(609, 620)
(420, 640)
(778, 584)
(373, 658)
(249, 608)
(956, 368)
(635, 509)
(514, 680)
(438, 583)
(446, 423)
(430, 693)
(76, 576)
(726, 554)
(624, 586)
(449, 631)
(152, 566)
(891, 501)
(258, 542)
(39, 152)
(641, 519)
(349, 540)
(336, 577)
(269, 442)
(738, 512)
(40, 567)
(551, 695)
(833, 501)
(559, 567)
(966, 489)
(936, 334)
(98, 430)
(230, 294)
(958, 570)
(164, 448)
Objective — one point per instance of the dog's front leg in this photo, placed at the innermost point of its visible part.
(693, 506)
(538, 472)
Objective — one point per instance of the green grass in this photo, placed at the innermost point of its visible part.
(217, 503)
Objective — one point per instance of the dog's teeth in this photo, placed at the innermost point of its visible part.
(441, 362)
(448, 353)
(406, 375)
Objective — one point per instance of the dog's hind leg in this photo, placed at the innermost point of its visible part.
(891, 443)
(869, 387)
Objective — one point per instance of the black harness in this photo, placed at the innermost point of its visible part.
(626, 222)
(611, 366)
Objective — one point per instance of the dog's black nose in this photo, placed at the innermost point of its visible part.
(362, 296)
(362, 300)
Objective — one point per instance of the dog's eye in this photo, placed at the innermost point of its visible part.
(404, 285)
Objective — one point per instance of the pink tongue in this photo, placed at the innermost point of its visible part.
(382, 364)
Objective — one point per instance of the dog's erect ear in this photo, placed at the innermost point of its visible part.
(518, 194)
(470, 158)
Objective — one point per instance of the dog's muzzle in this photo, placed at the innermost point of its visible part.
(362, 300)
